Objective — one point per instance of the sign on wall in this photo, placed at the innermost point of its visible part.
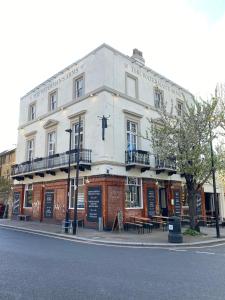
(16, 203)
(94, 204)
(49, 204)
(151, 201)
(177, 205)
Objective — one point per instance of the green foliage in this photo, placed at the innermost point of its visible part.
(187, 137)
(191, 232)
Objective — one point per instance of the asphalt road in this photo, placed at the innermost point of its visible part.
(39, 267)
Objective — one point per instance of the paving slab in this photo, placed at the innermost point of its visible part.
(157, 237)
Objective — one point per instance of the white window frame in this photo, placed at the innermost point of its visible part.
(74, 123)
(32, 112)
(30, 149)
(49, 133)
(77, 93)
(139, 184)
(27, 188)
(158, 98)
(180, 111)
(52, 94)
(131, 134)
(128, 75)
(81, 183)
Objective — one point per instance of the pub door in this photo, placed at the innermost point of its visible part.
(49, 204)
(163, 202)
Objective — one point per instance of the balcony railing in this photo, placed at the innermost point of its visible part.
(52, 162)
(165, 164)
(135, 158)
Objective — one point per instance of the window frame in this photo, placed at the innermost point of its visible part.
(72, 184)
(180, 111)
(54, 92)
(75, 80)
(32, 116)
(33, 149)
(26, 190)
(48, 134)
(139, 185)
(73, 123)
(160, 92)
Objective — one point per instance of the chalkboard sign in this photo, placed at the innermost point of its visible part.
(199, 204)
(118, 221)
(49, 204)
(16, 203)
(177, 206)
(94, 205)
(151, 202)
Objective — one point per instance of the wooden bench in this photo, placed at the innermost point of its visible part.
(23, 217)
(157, 224)
(136, 226)
(146, 225)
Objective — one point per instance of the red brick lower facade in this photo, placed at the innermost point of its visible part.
(110, 191)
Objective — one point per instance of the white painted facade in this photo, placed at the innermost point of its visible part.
(108, 85)
(105, 73)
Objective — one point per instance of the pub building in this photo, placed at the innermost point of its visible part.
(112, 95)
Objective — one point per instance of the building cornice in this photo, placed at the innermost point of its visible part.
(95, 92)
(114, 52)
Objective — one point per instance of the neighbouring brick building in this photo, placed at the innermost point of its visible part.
(114, 94)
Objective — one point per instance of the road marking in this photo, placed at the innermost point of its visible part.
(178, 250)
(204, 252)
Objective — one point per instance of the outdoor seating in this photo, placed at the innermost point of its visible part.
(135, 226)
(23, 217)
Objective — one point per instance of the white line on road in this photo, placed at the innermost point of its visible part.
(204, 252)
(178, 250)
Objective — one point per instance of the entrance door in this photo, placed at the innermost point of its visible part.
(163, 202)
(49, 204)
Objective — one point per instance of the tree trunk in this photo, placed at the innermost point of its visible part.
(192, 201)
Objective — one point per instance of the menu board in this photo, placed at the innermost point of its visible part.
(177, 206)
(151, 200)
(49, 204)
(16, 203)
(94, 205)
(198, 204)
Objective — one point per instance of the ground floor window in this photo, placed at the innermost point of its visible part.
(133, 193)
(28, 195)
(80, 198)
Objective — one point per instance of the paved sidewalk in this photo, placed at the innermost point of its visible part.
(157, 237)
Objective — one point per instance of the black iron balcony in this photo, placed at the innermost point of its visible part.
(137, 158)
(165, 165)
(49, 164)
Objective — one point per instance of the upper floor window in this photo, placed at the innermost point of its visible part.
(79, 87)
(158, 98)
(131, 135)
(133, 192)
(53, 101)
(51, 140)
(30, 149)
(75, 133)
(28, 195)
(80, 198)
(32, 112)
(131, 86)
(179, 108)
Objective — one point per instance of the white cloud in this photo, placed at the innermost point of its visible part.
(38, 38)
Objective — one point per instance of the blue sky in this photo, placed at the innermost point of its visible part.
(214, 9)
(180, 39)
